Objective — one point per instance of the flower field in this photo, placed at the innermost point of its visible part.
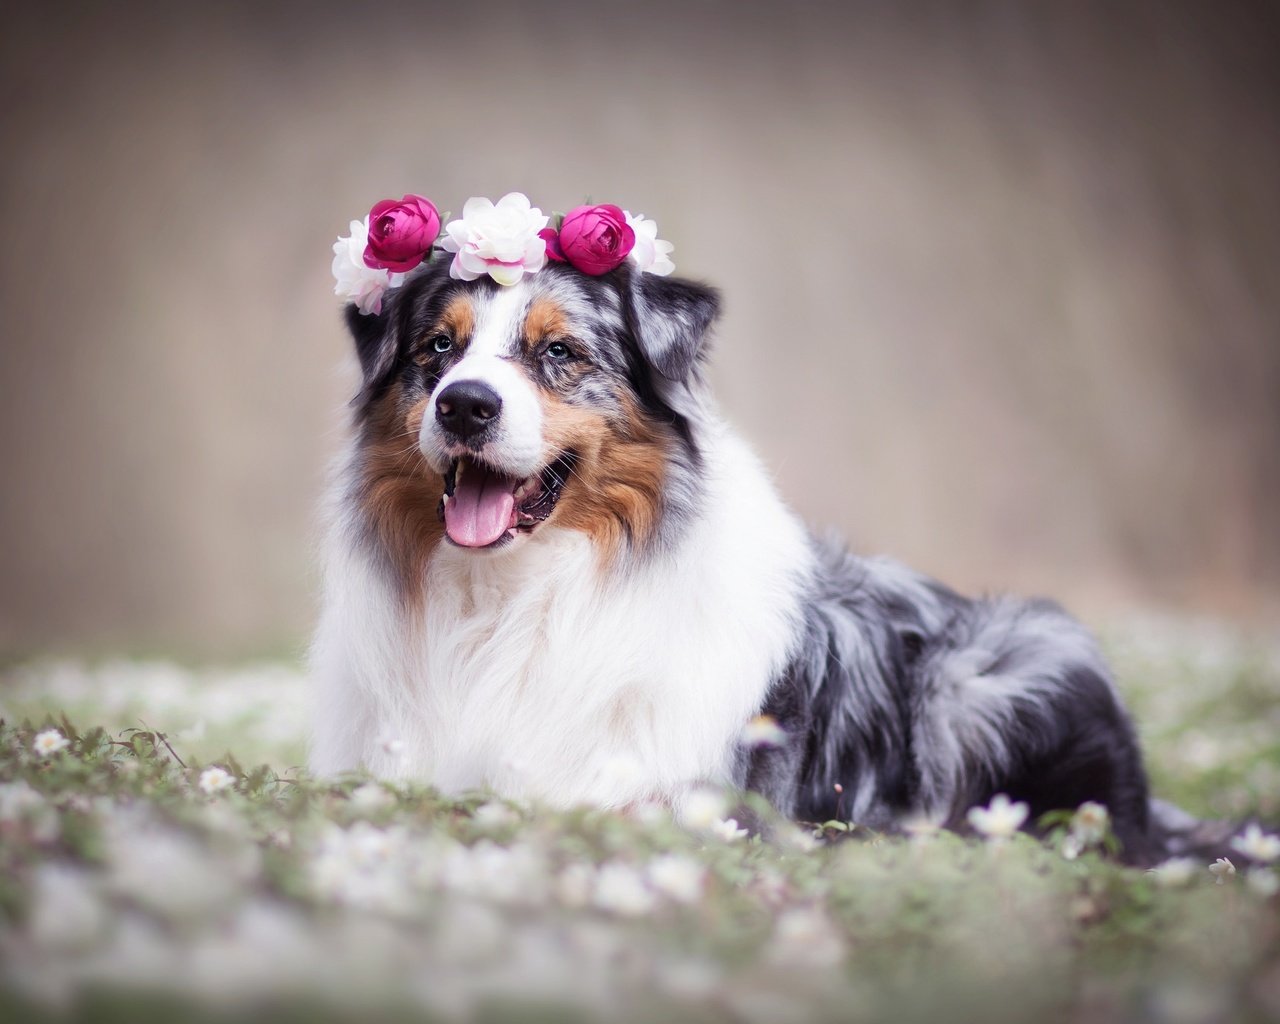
(165, 859)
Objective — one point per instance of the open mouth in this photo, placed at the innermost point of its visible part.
(484, 508)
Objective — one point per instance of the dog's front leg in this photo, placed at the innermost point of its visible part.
(342, 725)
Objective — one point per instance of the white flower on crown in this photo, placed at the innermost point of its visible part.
(355, 282)
(651, 254)
(499, 239)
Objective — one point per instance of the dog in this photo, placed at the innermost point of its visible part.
(554, 572)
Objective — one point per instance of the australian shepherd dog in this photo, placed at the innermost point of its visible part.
(556, 573)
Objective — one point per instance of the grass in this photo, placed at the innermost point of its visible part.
(128, 890)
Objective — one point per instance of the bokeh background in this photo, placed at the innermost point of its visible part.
(1002, 281)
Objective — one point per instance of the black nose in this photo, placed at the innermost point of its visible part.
(466, 407)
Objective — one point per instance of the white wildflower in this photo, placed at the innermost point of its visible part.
(214, 780)
(166, 871)
(727, 830)
(1257, 845)
(1000, 819)
(621, 890)
(20, 803)
(370, 798)
(494, 815)
(574, 885)
(799, 839)
(621, 773)
(1089, 824)
(1222, 869)
(1175, 872)
(49, 742)
(680, 878)
(363, 866)
(516, 874)
(763, 731)
(921, 827)
(702, 807)
(17, 800)
(1263, 881)
(66, 909)
(805, 937)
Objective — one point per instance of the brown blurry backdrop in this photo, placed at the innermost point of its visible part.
(1001, 280)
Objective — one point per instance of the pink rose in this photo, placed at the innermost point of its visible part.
(595, 239)
(552, 238)
(401, 233)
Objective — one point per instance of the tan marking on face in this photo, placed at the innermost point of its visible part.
(544, 320)
(615, 492)
(458, 320)
(399, 492)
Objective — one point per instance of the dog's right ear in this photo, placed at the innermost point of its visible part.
(671, 317)
(377, 340)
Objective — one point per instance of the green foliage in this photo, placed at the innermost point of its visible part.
(136, 880)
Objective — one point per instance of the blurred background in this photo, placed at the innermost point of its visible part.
(1002, 281)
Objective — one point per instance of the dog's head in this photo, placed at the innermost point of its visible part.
(488, 413)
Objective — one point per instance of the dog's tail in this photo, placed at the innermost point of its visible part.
(1175, 833)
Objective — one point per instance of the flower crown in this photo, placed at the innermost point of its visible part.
(506, 240)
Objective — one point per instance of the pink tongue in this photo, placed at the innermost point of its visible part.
(482, 508)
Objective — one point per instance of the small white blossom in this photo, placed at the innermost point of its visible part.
(494, 815)
(499, 239)
(370, 798)
(621, 773)
(574, 885)
(799, 839)
(651, 254)
(355, 282)
(763, 731)
(1222, 869)
(20, 803)
(921, 827)
(363, 866)
(1257, 845)
(1263, 881)
(680, 878)
(517, 874)
(702, 808)
(1000, 819)
(621, 890)
(805, 937)
(1175, 872)
(66, 908)
(727, 829)
(1089, 824)
(17, 799)
(49, 742)
(214, 780)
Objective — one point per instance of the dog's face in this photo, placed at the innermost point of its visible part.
(489, 413)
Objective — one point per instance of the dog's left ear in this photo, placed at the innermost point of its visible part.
(376, 341)
(670, 320)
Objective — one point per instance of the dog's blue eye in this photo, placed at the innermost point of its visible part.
(558, 350)
(441, 343)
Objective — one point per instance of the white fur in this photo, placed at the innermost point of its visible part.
(539, 675)
(516, 447)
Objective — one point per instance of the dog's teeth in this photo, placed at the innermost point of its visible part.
(462, 466)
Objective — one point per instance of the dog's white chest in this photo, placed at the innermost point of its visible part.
(559, 686)
(540, 675)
